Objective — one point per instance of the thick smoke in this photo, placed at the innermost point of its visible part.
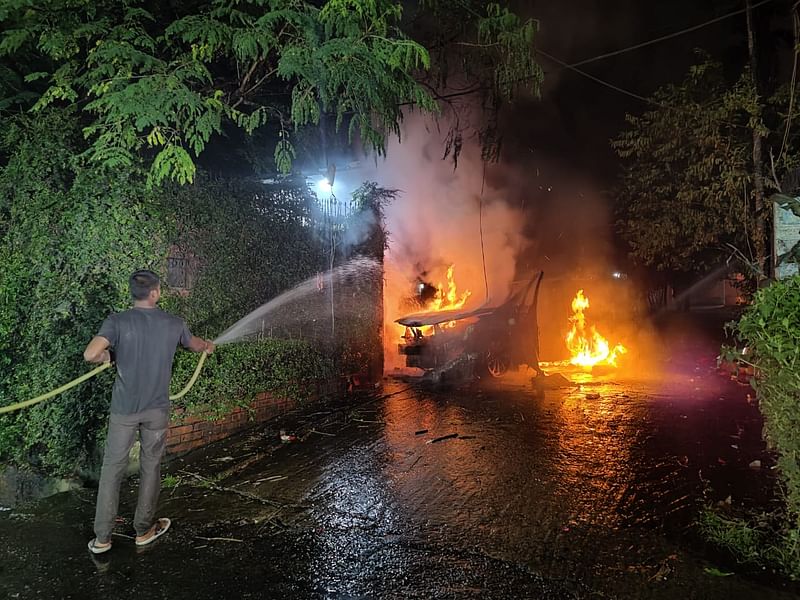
(438, 219)
(536, 215)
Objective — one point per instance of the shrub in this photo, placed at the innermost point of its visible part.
(770, 329)
(235, 373)
(72, 234)
(249, 245)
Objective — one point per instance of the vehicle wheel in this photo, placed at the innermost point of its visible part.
(497, 365)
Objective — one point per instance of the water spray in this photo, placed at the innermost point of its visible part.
(244, 328)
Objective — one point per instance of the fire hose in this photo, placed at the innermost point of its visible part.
(89, 375)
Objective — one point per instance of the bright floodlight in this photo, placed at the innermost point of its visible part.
(325, 186)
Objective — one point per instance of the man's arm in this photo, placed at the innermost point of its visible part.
(197, 344)
(97, 350)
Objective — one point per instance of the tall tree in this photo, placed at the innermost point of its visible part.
(760, 234)
(480, 56)
(684, 190)
(160, 80)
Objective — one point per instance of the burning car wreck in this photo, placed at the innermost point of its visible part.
(488, 341)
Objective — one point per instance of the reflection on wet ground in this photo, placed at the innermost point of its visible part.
(587, 491)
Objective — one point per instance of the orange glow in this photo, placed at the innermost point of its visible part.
(447, 297)
(587, 347)
(450, 299)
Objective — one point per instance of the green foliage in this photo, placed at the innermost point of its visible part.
(482, 48)
(714, 572)
(151, 80)
(247, 245)
(361, 70)
(759, 541)
(72, 234)
(170, 481)
(744, 542)
(771, 331)
(236, 373)
(684, 188)
(513, 40)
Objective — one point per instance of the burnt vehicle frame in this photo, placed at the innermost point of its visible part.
(488, 341)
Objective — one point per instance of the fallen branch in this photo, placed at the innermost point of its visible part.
(413, 464)
(449, 436)
(218, 539)
(248, 495)
(271, 479)
(323, 433)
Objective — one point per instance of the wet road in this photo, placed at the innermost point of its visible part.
(589, 491)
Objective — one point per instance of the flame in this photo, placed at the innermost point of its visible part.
(450, 299)
(588, 348)
(446, 298)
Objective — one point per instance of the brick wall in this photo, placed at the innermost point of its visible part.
(190, 432)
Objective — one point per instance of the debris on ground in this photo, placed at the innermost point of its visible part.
(325, 433)
(287, 437)
(449, 436)
(665, 568)
(716, 572)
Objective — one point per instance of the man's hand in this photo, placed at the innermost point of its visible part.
(200, 345)
(97, 350)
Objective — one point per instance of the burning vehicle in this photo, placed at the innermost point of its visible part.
(454, 343)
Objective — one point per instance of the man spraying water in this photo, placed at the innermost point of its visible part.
(144, 340)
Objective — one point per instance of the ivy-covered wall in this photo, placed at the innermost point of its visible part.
(71, 235)
(246, 245)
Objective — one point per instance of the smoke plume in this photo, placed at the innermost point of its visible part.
(444, 216)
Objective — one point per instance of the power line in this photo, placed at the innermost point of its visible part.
(624, 91)
(572, 66)
(561, 63)
(669, 35)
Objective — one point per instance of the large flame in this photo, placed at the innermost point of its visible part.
(587, 347)
(447, 297)
(450, 299)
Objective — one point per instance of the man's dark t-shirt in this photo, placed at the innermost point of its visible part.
(144, 341)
